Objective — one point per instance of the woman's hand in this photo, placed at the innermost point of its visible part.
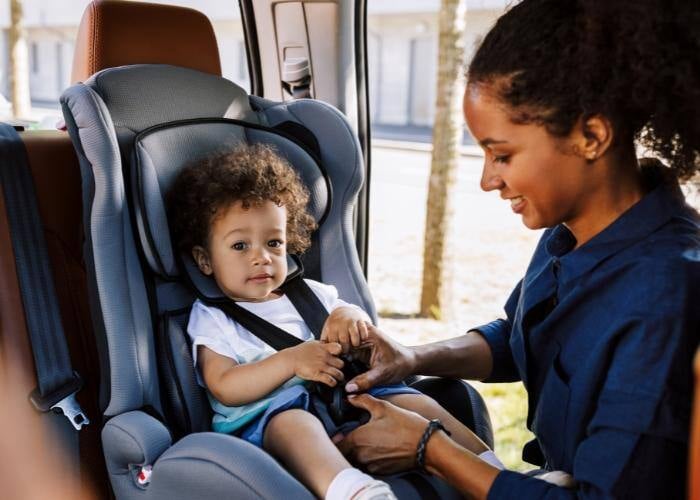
(347, 326)
(389, 441)
(317, 361)
(388, 362)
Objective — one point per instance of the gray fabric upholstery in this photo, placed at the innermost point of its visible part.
(161, 154)
(103, 116)
(144, 95)
(134, 439)
(341, 156)
(201, 465)
(119, 300)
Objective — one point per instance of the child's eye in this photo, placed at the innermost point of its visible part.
(239, 245)
(501, 158)
(275, 243)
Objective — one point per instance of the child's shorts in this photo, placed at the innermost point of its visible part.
(298, 396)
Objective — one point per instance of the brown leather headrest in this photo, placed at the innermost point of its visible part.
(116, 32)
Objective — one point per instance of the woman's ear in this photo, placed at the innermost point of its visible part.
(201, 257)
(594, 137)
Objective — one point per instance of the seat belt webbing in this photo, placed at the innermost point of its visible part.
(57, 382)
(304, 301)
(307, 303)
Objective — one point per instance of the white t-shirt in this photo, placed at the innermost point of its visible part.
(211, 327)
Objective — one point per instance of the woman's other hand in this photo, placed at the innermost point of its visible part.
(389, 441)
(389, 362)
(347, 326)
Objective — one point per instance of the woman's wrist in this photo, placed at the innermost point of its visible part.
(458, 466)
(438, 442)
(433, 426)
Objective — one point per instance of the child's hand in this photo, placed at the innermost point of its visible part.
(318, 361)
(345, 325)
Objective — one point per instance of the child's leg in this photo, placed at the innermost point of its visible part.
(298, 439)
(429, 408)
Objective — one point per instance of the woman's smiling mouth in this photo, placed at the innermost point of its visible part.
(517, 204)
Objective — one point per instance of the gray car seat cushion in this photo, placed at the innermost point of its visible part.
(215, 465)
(161, 153)
(118, 286)
(340, 155)
(140, 96)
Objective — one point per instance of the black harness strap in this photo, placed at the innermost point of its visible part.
(302, 298)
(307, 303)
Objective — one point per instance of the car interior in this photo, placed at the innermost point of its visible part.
(125, 385)
(94, 302)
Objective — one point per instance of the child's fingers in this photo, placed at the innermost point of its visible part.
(333, 348)
(335, 373)
(324, 378)
(354, 333)
(362, 327)
(344, 339)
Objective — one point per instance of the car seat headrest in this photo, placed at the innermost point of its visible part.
(160, 152)
(117, 33)
(140, 96)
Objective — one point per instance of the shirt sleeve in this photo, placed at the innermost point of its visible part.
(636, 442)
(207, 327)
(497, 335)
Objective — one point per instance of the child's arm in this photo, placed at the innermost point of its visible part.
(235, 385)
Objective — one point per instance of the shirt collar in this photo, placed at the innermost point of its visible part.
(664, 201)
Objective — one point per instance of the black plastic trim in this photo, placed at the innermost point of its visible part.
(363, 132)
(250, 35)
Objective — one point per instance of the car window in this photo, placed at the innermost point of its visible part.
(491, 248)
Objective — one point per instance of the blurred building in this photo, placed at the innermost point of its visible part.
(402, 38)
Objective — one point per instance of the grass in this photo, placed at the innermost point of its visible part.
(507, 404)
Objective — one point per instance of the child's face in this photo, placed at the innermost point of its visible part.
(247, 251)
(544, 179)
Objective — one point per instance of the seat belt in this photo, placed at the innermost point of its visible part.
(304, 300)
(57, 382)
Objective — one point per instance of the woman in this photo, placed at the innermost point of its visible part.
(603, 326)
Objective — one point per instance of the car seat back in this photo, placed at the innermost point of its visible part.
(134, 128)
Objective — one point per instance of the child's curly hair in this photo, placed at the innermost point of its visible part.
(251, 174)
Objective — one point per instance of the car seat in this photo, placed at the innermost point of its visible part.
(133, 128)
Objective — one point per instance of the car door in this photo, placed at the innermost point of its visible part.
(326, 40)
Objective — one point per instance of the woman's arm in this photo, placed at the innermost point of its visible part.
(235, 385)
(468, 356)
(389, 443)
(458, 466)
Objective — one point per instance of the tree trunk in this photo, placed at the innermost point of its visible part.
(19, 64)
(436, 294)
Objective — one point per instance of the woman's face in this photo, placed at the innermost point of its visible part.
(539, 174)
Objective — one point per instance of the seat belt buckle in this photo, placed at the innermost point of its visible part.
(62, 401)
(69, 407)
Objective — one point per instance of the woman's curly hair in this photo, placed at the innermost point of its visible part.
(251, 174)
(637, 63)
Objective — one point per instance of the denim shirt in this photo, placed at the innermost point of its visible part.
(603, 338)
